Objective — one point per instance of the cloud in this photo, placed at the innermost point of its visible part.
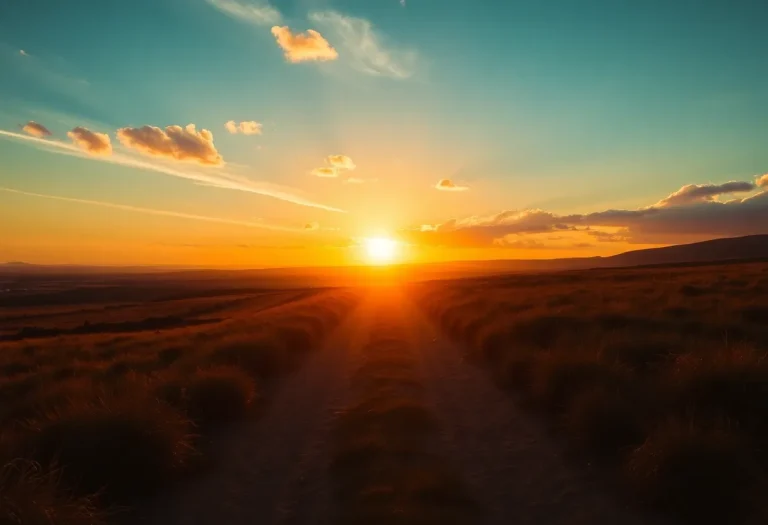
(448, 185)
(340, 162)
(695, 214)
(23, 53)
(215, 179)
(364, 45)
(175, 142)
(354, 180)
(763, 181)
(90, 141)
(325, 172)
(256, 13)
(246, 127)
(693, 193)
(311, 226)
(304, 47)
(153, 211)
(36, 130)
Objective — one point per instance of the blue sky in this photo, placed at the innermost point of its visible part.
(564, 106)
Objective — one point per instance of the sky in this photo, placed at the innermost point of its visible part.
(248, 133)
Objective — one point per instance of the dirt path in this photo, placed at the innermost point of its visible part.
(516, 470)
(275, 470)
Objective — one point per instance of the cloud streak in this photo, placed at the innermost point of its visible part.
(304, 47)
(216, 179)
(694, 193)
(153, 211)
(364, 45)
(256, 13)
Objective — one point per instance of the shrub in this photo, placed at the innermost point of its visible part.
(700, 475)
(124, 447)
(218, 395)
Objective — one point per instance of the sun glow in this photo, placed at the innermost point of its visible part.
(380, 250)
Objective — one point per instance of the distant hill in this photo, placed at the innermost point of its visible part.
(736, 248)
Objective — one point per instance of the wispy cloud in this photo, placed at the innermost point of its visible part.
(336, 164)
(325, 172)
(246, 127)
(360, 41)
(91, 142)
(153, 211)
(303, 47)
(23, 53)
(449, 185)
(257, 13)
(213, 178)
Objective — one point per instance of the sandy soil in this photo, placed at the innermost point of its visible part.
(275, 470)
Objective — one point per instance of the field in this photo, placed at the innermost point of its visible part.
(108, 393)
(608, 396)
(660, 374)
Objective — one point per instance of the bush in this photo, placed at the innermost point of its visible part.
(218, 395)
(124, 448)
(699, 475)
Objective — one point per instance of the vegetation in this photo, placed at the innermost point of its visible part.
(91, 421)
(660, 373)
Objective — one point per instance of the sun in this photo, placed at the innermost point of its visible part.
(380, 250)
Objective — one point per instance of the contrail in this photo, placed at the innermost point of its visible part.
(218, 180)
(152, 211)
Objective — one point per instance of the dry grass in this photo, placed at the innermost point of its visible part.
(103, 419)
(660, 373)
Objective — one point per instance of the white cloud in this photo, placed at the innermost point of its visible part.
(303, 47)
(257, 13)
(174, 142)
(91, 141)
(23, 53)
(360, 41)
(246, 127)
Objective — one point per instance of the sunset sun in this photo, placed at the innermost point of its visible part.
(380, 250)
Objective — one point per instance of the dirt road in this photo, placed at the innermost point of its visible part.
(275, 470)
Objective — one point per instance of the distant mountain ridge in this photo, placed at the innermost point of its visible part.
(715, 250)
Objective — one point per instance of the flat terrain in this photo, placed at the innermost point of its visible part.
(594, 397)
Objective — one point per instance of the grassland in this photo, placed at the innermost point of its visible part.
(658, 374)
(107, 399)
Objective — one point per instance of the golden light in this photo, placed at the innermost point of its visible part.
(380, 250)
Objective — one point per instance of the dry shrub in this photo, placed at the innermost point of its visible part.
(218, 395)
(122, 446)
(700, 475)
